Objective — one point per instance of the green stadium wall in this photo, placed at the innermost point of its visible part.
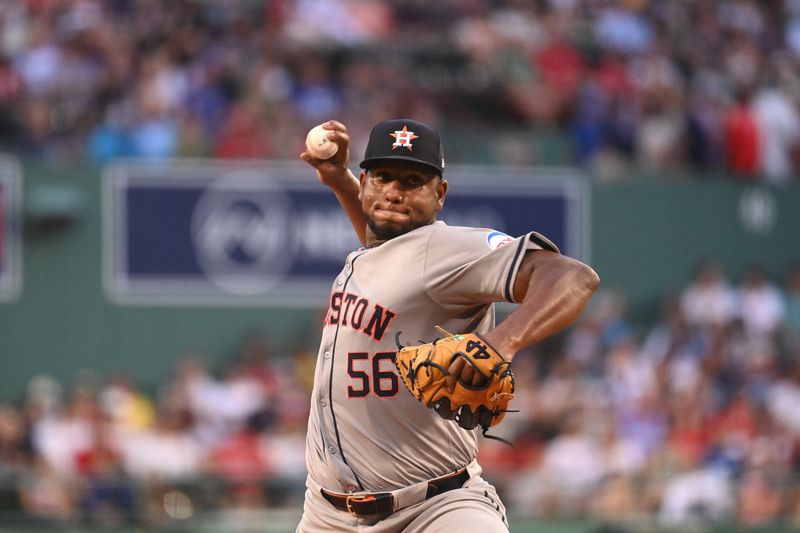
(645, 239)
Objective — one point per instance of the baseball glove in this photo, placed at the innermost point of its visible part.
(424, 370)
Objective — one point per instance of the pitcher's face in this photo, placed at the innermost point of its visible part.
(398, 197)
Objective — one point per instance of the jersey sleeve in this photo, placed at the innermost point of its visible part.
(464, 267)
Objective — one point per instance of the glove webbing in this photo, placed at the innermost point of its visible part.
(445, 371)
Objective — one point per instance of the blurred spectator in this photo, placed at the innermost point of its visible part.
(315, 94)
(742, 138)
(630, 377)
(571, 466)
(758, 498)
(644, 422)
(243, 135)
(761, 304)
(167, 452)
(616, 499)
(128, 407)
(776, 114)
(608, 309)
(240, 459)
(782, 401)
(15, 456)
(620, 456)
(733, 431)
(709, 299)
(58, 437)
(659, 84)
(106, 490)
(624, 27)
(689, 437)
(698, 497)
(670, 335)
(560, 394)
(48, 495)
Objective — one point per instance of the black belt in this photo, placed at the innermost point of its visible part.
(380, 503)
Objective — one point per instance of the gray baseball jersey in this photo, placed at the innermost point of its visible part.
(366, 432)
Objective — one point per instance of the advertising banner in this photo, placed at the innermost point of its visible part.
(204, 233)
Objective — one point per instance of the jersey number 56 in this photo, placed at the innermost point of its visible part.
(383, 380)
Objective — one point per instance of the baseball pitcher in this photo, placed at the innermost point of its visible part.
(411, 367)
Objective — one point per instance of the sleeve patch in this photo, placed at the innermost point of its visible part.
(496, 239)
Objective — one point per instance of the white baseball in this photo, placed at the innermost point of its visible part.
(319, 145)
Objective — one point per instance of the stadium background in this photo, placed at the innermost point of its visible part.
(670, 406)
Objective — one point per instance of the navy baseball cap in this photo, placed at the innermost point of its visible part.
(406, 140)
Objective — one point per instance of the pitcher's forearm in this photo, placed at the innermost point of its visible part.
(346, 191)
(556, 295)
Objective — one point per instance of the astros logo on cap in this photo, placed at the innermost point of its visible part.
(403, 138)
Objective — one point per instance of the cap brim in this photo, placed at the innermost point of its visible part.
(367, 163)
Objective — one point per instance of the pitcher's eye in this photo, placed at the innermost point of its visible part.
(415, 180)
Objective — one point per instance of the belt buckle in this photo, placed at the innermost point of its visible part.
(367, 498)
(357, 499)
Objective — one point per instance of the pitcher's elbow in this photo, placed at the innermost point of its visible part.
(589, 278)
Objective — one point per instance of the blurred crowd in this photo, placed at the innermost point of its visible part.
(105, 452)
(620, 87)
(692, 420)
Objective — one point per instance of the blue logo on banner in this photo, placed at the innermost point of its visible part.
(240, 234)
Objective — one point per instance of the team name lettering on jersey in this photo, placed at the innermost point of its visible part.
(354, 311)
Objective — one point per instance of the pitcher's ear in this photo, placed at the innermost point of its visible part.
(441, 192)
(362, 178)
